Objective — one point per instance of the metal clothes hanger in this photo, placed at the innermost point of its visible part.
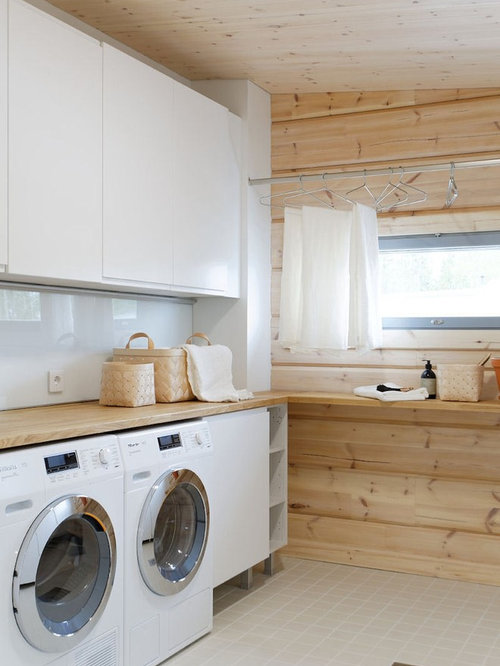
(303, 192)
(452, 192)
(332, 193)
(267, 199)
(421, 196)
(410, 194)
(326, 189)
(365, 187)
(390, 189)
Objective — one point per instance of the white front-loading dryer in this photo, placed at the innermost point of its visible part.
(61, 527)
(168, 545)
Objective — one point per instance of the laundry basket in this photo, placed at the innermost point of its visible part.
(170, 368)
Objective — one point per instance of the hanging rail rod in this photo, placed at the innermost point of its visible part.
(339, 175)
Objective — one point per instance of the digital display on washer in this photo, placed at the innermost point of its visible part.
(60, 462)
(169, 441)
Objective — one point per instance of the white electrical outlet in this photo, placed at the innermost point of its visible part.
(56, 381)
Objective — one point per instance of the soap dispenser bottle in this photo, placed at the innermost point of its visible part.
(428, 379)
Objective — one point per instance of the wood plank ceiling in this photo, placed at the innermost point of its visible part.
(354, 83)
(288, 46)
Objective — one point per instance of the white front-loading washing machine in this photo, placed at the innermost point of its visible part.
(61, 529)
(168, 547)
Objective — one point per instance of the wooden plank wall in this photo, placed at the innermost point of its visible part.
(316, 132)
(404, 489)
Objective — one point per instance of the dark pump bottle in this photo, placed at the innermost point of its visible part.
(428, 379)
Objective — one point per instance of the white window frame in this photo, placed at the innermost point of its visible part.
(440, 241)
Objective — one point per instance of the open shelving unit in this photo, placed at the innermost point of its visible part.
(278, 477)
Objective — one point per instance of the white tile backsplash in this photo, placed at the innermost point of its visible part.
(74, 333)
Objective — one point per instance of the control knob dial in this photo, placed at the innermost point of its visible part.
(104, 456)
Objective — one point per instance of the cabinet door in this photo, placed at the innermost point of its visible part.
(138, 170)
(55, 107)
(240, 497)
(207, 204)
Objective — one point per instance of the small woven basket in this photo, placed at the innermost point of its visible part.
(127, 384)
(460, 382)
(170, 368)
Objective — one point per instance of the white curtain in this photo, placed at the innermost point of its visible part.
(329, 284)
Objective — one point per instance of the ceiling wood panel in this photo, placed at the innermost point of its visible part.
(439, 130)
(342, 132)
(295, 106)
(288, 46)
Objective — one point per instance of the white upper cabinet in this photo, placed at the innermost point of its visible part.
(55, 145)
(208, 194)
(116, 173)
(138, 166)
(3, 134)
(171, 182)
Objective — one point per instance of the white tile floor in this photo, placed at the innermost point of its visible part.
(315, 613)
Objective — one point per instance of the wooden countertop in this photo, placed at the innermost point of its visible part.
(35, 425)
(485, 413)
(321, 398)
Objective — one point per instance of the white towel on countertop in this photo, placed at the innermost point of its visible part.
(209, 371)
(391, 396)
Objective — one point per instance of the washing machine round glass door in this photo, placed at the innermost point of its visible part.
(64, 573)
(172, 532)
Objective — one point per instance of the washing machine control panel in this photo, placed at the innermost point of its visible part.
(98, 458)
(165, 443)
(188, 438)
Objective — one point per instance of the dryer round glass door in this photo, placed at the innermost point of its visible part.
(64, 573)
(172, 532)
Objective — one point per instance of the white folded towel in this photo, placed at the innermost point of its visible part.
(209, 370)
(391, 396)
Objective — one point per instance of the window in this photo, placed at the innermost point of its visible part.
(441, 281)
